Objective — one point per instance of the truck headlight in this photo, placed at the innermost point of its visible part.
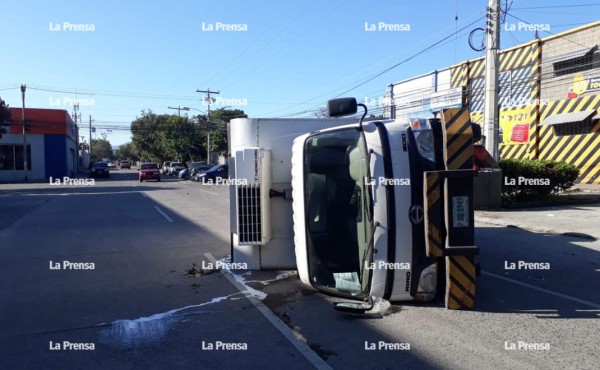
(421, 128)
(424, 139)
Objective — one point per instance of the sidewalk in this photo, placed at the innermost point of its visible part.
(575, 220)
(587, 188)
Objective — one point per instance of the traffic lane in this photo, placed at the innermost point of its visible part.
(94, 290)
(14, 207)
(562, 264)
(228, 333)
(206, 206)
(441, 338)
(129, 262)
(91, 222)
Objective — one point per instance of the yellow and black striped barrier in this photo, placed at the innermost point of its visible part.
(434, 242)
(449, 216)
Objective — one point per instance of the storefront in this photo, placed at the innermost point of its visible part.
(51, 142)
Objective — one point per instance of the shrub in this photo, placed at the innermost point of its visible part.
(532, 180)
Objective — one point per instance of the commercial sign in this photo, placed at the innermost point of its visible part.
(582, 84)
(514, 124)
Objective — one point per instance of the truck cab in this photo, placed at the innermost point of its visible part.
(360, 200)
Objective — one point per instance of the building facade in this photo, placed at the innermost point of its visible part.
(51, 142)
(549, 98)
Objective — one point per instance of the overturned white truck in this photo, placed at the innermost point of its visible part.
(361, 209)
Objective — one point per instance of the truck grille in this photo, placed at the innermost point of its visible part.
(249, 214)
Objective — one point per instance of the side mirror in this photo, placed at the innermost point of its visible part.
(341, 107)
(350, 307)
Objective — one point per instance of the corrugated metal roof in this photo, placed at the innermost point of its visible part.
(559, 119)
(571, 55)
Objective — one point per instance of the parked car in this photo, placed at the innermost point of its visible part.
(175, 167)
(165, 167)
(124, 164)
(99, 169)
(196, 167)
(183, 174)
(111, 165)
(219, 171)
(149, 171)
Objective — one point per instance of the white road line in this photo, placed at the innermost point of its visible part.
(206, 191)
(144, 194)
(164, 214)
(300, 345)
(564, 296)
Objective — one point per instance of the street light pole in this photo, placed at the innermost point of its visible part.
(25, 166)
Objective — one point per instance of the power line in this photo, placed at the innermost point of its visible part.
(435, 45)
(558, 6)
(400, 52)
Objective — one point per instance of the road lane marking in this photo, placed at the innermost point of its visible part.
(164, 214)
(556, 294)
(206, 191)
(299, 344)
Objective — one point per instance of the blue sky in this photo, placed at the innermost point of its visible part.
(293, 56)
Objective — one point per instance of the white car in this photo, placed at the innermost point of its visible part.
(175, 167)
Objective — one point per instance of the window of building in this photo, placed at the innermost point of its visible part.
(574, 128)
(577, 62)
(11, 157)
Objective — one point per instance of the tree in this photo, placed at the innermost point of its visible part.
(4, 116)
(218, 127)
(182, 139)
(147, 136)
(101, 149)
(157, 138)
(127, 151)
(4, 112)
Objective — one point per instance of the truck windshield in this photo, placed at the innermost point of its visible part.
(338, 212)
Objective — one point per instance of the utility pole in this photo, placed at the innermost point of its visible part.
(90, 151)
(208, 100)
(179, 109)
(25, 166)
(490, 113)
(75, 116)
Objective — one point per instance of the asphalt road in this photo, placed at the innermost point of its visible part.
(142, 309)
